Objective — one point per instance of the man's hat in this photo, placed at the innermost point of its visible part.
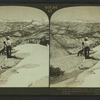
(8, 37)
(86, 38)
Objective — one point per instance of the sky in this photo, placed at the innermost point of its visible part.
(16, 13)
(85, 13)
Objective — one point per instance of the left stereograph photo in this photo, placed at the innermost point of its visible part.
(24, 47)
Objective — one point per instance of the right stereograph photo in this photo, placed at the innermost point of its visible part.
(75, 47)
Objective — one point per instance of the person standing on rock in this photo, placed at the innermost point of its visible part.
(8, 48)
(87, 49)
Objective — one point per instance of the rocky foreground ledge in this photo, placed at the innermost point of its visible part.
(81, 72)
(28, 67)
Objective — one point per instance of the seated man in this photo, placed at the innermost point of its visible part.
(82, 50)
(4, 48)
